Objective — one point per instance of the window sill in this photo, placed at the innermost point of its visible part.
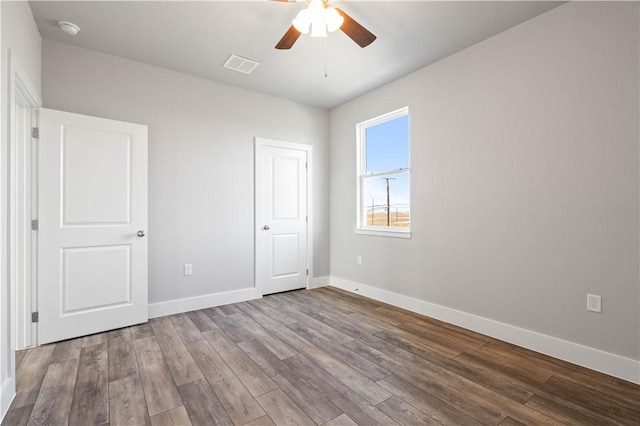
(384, 233)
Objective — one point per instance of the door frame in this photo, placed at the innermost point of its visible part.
(20, 85)
(259, 145)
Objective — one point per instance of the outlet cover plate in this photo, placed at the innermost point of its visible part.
(188, 269)
(594, 303)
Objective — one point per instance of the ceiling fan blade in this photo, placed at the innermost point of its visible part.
(288, 39)
(356, 32)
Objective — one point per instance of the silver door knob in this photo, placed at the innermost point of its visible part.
(266, 227)
(141, 234)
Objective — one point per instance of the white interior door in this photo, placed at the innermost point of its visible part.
(281, 215)
(92, 213)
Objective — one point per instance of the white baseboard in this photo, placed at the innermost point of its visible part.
(319, 282)
(178, 306)
(595, 359)
(7, 393)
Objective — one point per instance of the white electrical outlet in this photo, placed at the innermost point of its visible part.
(359, 260)
(594, 303)
(188, 269)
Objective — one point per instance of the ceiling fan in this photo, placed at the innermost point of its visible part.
(318, 18)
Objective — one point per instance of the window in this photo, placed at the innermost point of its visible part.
(384, 175)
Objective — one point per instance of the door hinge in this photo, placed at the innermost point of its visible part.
(306, 219)
(35, 132)
(307, 271)
(34, 225)
(306, 165)
(35, 317)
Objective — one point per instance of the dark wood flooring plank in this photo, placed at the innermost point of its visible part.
(176, 417)
(203, 405)
(436, 389)
(330, 333)
(275, 345)
(236, 399)
(491, 378)
(426, 374)
(209, 362)
(183, 368)
(141, 331)
(148, 349)
(282, 410)
(312, 402)
(567, 412)
(187, 331)
(438, 330)
(91, 395)
(419, 345)
(341, 353)
(159, 388)
(30, 373)
(404, 413)
(335, 300)
(201, 320)
(590, 378)
(347, 375)
(440, 338)
(167, 336)
(262, 421)
(122, 357)
(339, 394)
(271, 313)
(228, 309)
(56, 395)
(341, 420)
(66, 351)
(585, 396)
(513, 364)
(511, 422)
(230, 325)
(440, 410)
(20, 356)
(17, 416)
(127, 405)
(94, 339)
(251, 376)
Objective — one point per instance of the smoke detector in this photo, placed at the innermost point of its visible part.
(69, 27)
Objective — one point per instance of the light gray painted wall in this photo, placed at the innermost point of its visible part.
(201, 134)
(20, 34)
(525, 193)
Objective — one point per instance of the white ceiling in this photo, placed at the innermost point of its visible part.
(197, 37)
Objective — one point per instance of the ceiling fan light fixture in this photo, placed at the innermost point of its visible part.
(318, 27)
(333, 19)
(302, 22)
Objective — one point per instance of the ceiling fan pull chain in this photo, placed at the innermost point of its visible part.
(326, 56)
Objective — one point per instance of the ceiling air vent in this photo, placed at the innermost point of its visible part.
(240, 64)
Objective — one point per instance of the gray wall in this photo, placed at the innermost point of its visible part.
(524, 155)
(201, 134)
(20, 34)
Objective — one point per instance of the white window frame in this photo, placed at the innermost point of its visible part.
(361, 156)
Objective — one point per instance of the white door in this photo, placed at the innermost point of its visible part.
(92, 213)
(281, 215)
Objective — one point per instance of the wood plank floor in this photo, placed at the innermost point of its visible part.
(321, 356)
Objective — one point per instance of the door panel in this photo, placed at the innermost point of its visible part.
(281, 216)
(96, 177)
(92, 265)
